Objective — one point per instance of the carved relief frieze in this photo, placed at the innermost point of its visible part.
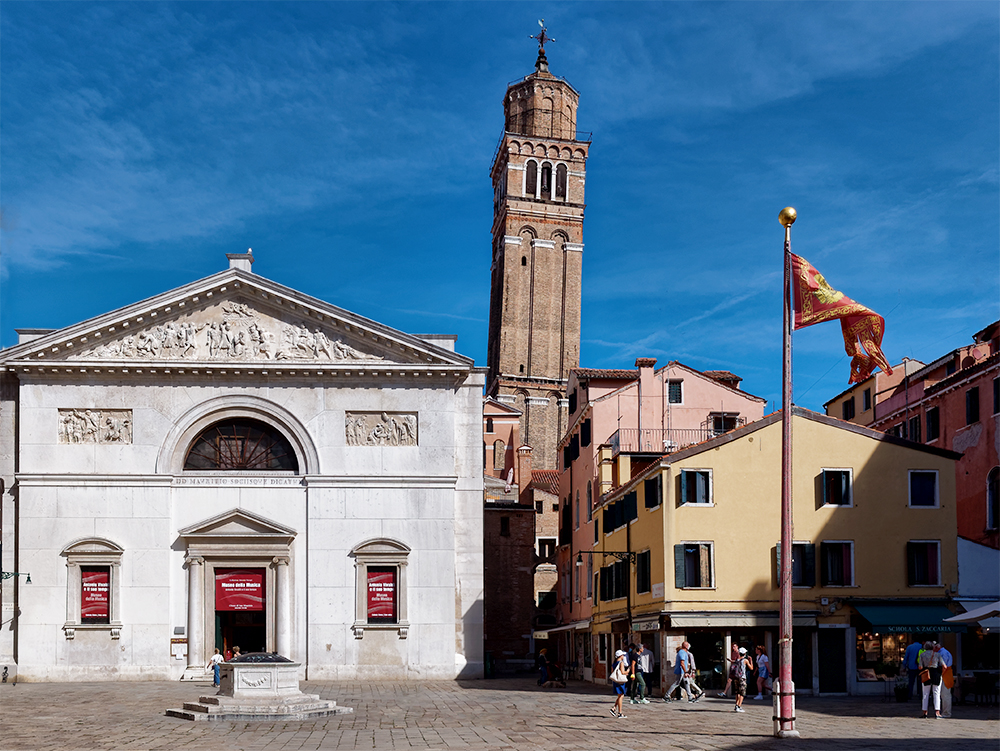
(230, 332)
(95, 426)
(381, 429)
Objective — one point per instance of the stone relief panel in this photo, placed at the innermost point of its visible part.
(95, 426)
(381, 429)
(231, 332)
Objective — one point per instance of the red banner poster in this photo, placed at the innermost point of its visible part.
(382, 594)
(94, 602)
(239, 589)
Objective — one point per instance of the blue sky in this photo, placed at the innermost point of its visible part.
(350, 144)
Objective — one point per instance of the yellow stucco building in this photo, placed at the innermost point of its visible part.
(874, 557)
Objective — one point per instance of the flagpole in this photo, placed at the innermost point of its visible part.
(784, 720)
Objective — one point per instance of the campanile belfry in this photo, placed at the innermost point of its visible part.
(538, 177)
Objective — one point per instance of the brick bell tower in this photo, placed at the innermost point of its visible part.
(538, 202)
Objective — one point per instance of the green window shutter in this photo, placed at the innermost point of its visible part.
(777, 562)
(679, 566)
(683, 497)
(809, 565)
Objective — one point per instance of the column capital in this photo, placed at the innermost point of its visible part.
(194, 560)
(281, 560)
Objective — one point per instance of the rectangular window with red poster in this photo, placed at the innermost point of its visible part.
(238, 589)
(382, 594)
(95, 600)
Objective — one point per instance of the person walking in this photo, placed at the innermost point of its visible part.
(734, 655)
(693, 686)
(911, 659)
(741, 666)
(763, 671)
(646, 668)
(619, 680)
(931, 667)
(638, 686)
(214, 662)
(680, 675)
(947, 678)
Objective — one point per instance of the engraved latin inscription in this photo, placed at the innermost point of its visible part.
(95, 426)
(381, 429)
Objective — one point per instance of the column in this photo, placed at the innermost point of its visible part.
(196, 619)
(73, 592)
(283, 607)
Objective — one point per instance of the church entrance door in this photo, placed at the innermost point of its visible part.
(240, 610)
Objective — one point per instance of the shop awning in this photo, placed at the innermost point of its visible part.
(544, 634)
(901, 618)
(984, 615)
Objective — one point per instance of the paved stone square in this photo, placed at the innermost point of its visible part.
(510, 713)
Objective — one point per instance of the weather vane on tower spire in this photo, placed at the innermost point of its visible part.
(542, 63)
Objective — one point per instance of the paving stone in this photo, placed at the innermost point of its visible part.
(496, 714)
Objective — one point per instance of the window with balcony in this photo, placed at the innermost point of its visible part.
(924, 488)
(837, 563)
(923, 563)
(723, 422)
(695, 487)
(693, 565)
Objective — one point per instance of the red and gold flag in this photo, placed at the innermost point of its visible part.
(816, 301)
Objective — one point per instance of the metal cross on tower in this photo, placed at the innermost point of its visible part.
(542, 37)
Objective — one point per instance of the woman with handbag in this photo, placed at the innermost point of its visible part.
(931, 667)
(619, 680)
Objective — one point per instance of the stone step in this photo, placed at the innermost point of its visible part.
(248, 714)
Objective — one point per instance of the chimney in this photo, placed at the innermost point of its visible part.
(647, 391)
(526, 494)
(241, 261)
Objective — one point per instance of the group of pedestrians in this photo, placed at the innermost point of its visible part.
(630, 673)
(931, 664)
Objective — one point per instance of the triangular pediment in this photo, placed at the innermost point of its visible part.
(234, 319)
(237, 523)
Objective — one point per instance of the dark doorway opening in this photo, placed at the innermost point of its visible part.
(832, 661)
(246, 630)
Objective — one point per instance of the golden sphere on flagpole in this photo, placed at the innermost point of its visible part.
(787, 216)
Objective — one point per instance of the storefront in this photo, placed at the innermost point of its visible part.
(884, 631)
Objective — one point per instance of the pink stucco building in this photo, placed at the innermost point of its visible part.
(642, 413)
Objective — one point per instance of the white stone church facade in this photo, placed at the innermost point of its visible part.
(236, 463)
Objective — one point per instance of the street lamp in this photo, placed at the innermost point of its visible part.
(11, 574)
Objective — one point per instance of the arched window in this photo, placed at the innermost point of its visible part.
(524, 260)
(489, 424)
(993, 498)
(590, 500)
(499, 455)
(561, 182)
(241, 444)
(530, 178)
(546, 180)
